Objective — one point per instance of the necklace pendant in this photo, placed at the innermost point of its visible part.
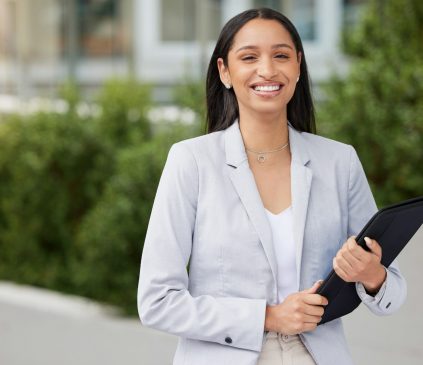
(261, 158)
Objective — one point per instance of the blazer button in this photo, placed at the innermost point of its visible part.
(228, 340)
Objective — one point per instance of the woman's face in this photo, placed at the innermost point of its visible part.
(263, 67)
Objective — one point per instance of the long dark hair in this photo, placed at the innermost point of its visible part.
(222, 105)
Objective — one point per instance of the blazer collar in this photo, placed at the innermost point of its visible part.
(235, 149)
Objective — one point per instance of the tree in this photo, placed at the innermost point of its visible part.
(378, 106)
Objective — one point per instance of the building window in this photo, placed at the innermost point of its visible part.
(190, 20)
(7, 30)
(352, 12)
(95, 28)
(301, 12)
(304, 17)
(98, 22)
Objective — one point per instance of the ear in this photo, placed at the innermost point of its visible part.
(223, 71)
(299, 58)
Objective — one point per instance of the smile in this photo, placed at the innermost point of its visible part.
(267, 91)
(267, 88)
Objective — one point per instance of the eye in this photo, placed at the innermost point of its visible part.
(248, 58)
(281, 56)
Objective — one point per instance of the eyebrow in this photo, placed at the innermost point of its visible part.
(279, 45)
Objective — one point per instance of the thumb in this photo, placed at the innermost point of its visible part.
(314, 288)
(373, 246)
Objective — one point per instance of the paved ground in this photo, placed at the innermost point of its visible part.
(39, 328)
(60, 337)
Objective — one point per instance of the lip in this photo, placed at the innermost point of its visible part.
(266, 84)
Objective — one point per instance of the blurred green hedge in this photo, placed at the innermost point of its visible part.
(76, 193)
(378, 106)
(52, 170)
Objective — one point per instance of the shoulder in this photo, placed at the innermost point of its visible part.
(325, 145)
(185, 157)
(327, 150)
(200, 147)
(334, 155)
(188, 157)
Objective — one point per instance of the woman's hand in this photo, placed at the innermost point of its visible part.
(299, 312)
(354, 264)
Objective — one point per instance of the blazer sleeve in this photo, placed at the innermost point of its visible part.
(164, 302)
(361, 207)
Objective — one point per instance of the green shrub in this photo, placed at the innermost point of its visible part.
(52, 169)
(124, 105)
(76, 193)
(378, 107)
(192, 94)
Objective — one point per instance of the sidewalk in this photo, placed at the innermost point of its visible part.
(68, 331)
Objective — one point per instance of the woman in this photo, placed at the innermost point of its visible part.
(259, 209)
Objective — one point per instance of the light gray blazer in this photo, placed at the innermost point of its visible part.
(208, 214)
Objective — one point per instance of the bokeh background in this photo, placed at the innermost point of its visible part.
(92, 95)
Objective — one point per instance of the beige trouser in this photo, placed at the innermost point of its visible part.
(281, 349)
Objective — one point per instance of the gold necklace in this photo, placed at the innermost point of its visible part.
(261, 155)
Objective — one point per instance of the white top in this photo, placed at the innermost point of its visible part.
(284, 246)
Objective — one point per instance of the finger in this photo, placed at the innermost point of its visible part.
(351, 239)
(347, 262)
(315, 300)
(311, 318)
(314, 288)
(314, 310)
(339, 271)
(309, 327)
(342, 262)
(351, 260)
(351, 244)
(374, 246)
(354, 249)
(341, 265)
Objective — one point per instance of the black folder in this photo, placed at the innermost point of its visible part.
(392, 227)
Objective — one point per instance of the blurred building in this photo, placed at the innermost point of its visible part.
(45, 42)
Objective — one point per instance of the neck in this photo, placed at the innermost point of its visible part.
(264, 132)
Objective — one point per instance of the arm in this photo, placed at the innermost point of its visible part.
(164, 302)
(391, 294)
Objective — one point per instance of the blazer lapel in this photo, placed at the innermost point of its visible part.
(245, 186)
(244, 183)
(301, 177)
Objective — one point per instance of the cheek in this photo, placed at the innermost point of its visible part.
(241, 77)
(291, 69)
(294, 72)
(240, 86)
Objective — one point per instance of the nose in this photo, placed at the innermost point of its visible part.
(266, 68)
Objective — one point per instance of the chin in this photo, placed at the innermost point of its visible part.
(274, 109)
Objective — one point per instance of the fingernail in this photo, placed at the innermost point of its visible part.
(368, 241)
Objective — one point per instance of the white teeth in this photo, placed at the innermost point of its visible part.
(267, 88)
